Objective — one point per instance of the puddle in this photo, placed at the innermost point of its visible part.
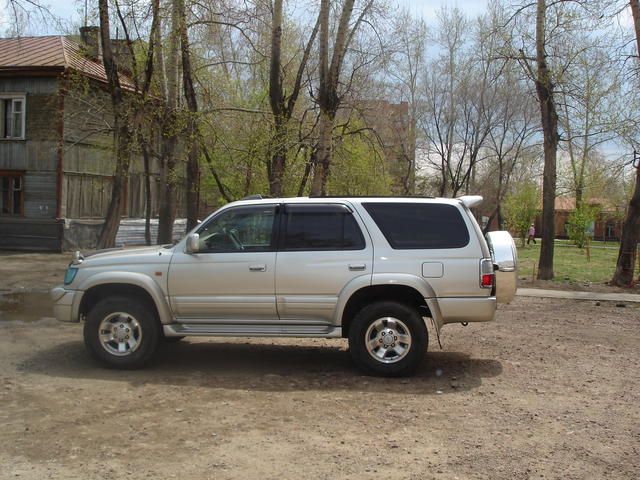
(25, 306)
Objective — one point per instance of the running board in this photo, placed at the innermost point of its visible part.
(251, 330)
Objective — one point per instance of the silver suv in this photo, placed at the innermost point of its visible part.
(372, 270)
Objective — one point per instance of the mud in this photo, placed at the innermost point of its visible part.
(25, 306)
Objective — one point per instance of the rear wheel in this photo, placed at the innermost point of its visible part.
(388, 338)
(121, 332)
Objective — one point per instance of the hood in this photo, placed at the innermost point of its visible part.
(129, 256)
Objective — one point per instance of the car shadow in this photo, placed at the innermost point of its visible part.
(265, 367)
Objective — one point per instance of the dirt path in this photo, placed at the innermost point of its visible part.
(549, 390)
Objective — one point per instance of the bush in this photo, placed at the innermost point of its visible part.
(580, 224)
(521, 207)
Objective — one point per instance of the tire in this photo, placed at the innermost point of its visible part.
(396, 335)
(133, 330)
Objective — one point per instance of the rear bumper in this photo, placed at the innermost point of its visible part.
(64, 302)
(467, 309)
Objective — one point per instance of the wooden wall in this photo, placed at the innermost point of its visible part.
(36, 155)
(89, 160)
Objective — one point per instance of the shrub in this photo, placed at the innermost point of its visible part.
(521, 207)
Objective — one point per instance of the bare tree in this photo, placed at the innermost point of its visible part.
(282, 105)
(192, 134)
(122, 134)
(328, 98)
(407, 64)
(169, 76)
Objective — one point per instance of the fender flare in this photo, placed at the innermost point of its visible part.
(126, 278)
(403, 279)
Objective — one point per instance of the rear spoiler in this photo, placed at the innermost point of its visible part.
(471, 201)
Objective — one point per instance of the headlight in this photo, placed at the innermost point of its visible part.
(70, 275)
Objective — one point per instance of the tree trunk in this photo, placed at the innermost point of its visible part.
(623, 276)
(147, 190)
(549, 120)
(328, 99)
(276, 100)
(307, 171)
(324, 153)
(193, 141)
(122, 134)
(169, 175)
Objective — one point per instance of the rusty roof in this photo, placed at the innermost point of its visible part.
(51, 53)
(568, 204)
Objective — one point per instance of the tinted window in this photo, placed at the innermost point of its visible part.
(419, 225)
(321, 228)
(239, 229)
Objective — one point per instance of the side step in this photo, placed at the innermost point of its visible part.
(251, 330)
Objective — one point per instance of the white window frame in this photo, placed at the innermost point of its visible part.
(21, 97)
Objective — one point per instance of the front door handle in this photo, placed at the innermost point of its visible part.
(355, 267)
(258, 268)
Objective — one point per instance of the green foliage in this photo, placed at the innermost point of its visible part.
(359, 167)
(521, 207)
(580, 224)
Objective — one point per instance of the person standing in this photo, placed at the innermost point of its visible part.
(532, 234)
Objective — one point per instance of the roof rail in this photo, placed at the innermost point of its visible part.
(252, 197)
(369, 196)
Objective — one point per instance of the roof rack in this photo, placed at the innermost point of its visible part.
(370, 196)
(252, 197)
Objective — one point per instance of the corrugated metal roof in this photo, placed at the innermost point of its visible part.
(51, 52)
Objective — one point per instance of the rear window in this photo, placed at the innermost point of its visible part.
(321, 228)
(419, 225)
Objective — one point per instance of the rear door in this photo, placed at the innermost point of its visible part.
(322, 247)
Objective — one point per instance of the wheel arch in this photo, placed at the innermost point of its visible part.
(127, 284)
(388, 289)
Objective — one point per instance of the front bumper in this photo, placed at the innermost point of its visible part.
(64, 303)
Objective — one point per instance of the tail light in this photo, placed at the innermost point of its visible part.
(487, 277)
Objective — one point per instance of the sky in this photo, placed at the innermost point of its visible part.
(70, 10)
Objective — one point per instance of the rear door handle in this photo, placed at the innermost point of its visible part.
(258, 268)
(354, 267)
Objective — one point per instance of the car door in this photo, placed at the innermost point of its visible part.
(232, 276)
(322, 248)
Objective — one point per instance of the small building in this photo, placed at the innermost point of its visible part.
(608, 223)
(56, 144)
(393, 126)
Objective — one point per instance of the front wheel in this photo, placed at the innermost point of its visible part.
(388, 338)
(121, 332)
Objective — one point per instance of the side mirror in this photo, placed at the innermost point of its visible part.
(193, 243)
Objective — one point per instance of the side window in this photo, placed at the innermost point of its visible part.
(320, 227)
(12, 117)
(240, 229)
(419, 225)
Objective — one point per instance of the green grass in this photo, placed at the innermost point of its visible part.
(570, 263)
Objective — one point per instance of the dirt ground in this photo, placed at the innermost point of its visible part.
(549, 390)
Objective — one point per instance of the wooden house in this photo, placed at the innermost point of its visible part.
(56, 144)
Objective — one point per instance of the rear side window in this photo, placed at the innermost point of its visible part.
(321, 227)
(419, 225)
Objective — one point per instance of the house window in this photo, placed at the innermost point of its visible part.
(12, 116)
(11, 193)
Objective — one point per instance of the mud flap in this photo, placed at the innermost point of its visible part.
(436, 318)
(437, 329)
